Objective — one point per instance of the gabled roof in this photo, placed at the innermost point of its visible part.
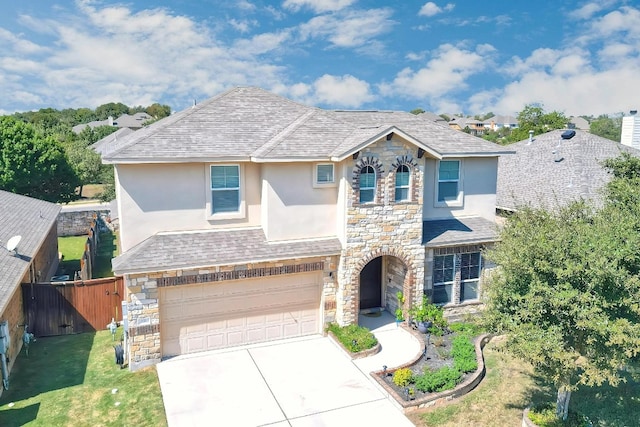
(102, 145)
(179, 250)
(533, 177)
(31, 219)
(251, 124)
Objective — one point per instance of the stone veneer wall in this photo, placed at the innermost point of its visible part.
(77, 223)
(143, 308)
(383, 228)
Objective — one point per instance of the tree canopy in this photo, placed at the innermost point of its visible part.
(607, 127)
(33, 164)
(533, 117)
(567, 288)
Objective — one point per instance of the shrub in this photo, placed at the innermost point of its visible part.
(545, 416)
(464, 354)
(355, 338)
(465, 328)
(444, 378)
(403, 377)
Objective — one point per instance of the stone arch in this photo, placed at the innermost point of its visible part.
(408, 284)
(375, 163)
(409, 161)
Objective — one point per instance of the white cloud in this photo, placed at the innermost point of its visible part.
(318, 6)
(588, 10)
(351, 29)
(446, 72)
(431, 9)
(338, 91)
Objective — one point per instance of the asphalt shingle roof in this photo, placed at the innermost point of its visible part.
(248, 122)
(533, 177)
(170, 251)
(458, 231)
(27, 217)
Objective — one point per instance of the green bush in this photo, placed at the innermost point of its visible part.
(355, 338)
(545, 416)
(464, 354)
(444, 378)
(403, 377)
(465, 328)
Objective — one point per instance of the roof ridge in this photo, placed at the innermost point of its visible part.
(270, 145)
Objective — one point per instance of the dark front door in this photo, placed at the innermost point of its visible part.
(371, 284)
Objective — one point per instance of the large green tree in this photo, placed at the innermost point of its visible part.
(533, 117)
(607, 127)
(34, 165)
(567, 289)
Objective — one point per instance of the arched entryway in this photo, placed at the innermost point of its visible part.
(371, 285)
(380, 280)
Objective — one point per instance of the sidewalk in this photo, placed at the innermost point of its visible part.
(398, 345)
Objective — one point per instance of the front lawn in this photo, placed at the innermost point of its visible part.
(510, 385)
(72, 380)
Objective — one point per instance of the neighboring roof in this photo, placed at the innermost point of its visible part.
(433, 117)
(533, 177)
(178, 250)
(577, 122)
(27, 217)
(102, 145)
(135, 121)
(503, 120)
(251, 124)
(458, 231)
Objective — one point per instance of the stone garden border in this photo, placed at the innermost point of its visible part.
(359, 355)
(435, 398)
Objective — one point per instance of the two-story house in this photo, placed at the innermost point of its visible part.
(250, 217)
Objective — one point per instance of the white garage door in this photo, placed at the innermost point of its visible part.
(224, 314)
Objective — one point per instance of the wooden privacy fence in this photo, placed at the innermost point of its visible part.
(61, 308)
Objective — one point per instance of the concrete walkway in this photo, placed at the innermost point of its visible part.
(398, 345)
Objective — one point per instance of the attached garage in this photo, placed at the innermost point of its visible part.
(210, 316)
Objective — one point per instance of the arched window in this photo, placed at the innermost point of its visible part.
(367, 184)
(402, 183)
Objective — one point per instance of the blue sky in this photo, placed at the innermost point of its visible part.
(577, 57)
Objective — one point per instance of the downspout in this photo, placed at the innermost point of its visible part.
(5, 341)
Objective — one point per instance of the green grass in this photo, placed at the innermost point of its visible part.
(68, 381)
(107, 249)
(510, 385)
(354, 337)
(72, 248)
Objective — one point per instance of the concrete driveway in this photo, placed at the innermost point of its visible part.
(301, 382)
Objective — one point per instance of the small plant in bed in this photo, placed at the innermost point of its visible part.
(353, 337)
(545, 416)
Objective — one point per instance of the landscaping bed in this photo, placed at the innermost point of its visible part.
(438, 376)
(355, 340)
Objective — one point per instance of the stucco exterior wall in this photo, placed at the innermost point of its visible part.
(293, 208)
(479, 178)
(173, 197)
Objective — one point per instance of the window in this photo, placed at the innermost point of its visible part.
(402, 183)
(225, 189)
(469, 276)
(367, 184)
(324, 174)
(448, 180)
(443, 278)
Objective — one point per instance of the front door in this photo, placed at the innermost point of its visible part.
(371, 284)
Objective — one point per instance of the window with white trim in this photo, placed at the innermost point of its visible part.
(324, 174)
(367, 184)
(225, 189)
(443, 278)
(402, 183)
(469, 276)
(448, 180)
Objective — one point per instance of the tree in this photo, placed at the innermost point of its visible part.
(111, 109)
(415, 111)
(533, 117)
(607, 127)
(34, 165)
(85, 162)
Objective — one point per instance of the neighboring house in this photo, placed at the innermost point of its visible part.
(630, 132)
(499, 122)
(250, 217)
(35, 258)
(133, 122)
(549, 171)
(472, 126)
(104, 145)
(578, 123)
